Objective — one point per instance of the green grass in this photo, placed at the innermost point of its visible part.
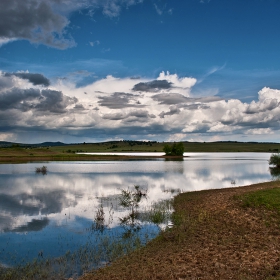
(269, 199)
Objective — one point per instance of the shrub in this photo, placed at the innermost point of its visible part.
(177, 149)
(275, 160)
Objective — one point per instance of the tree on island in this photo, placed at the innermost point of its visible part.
(177, 149)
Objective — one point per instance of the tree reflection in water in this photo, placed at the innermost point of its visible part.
(275, 172)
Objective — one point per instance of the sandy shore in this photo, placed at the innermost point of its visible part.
(214, 238)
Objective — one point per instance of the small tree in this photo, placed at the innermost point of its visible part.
(275, 160)
(177, 149)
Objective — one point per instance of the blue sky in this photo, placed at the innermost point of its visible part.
(139, 69)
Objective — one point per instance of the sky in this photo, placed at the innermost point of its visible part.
(99, 70)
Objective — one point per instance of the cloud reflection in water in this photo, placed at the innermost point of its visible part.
(66, 198)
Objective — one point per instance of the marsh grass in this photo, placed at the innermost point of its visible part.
(161, 212)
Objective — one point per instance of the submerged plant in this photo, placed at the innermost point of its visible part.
(99, 220)
(42, 170)
(130, 200)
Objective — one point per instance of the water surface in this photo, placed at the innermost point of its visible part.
(53, 213)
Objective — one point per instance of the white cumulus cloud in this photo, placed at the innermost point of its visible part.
(163, 108)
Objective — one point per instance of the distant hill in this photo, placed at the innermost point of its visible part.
(51, 144)
(44, 144)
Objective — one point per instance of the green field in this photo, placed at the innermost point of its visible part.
(32, 152)
(139, 146)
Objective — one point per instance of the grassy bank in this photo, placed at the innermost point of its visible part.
(217, 234)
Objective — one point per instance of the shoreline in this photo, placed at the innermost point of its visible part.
(26, 159)
(213, 237)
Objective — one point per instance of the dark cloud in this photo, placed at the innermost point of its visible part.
(126, 130)
(267, 105)
(141, 114)
(256, 121)
(5, 83)
(33, 20)
(34, 78)
(152, 86)
(9, 120)
(173, 110)
(45, 21)
(136, 115)
(114, 116)
(18, 98)
(28, 99)
(208, 99)
(132, 131)
(54, 101)
(170, 98)
(194, 106)
(177, 98)
(119, 100)
(79, 107)
(200, 127)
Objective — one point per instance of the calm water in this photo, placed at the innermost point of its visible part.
(53, 213)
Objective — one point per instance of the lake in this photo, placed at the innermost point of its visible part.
(47, 215)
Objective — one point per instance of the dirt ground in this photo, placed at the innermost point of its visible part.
(214, 237)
